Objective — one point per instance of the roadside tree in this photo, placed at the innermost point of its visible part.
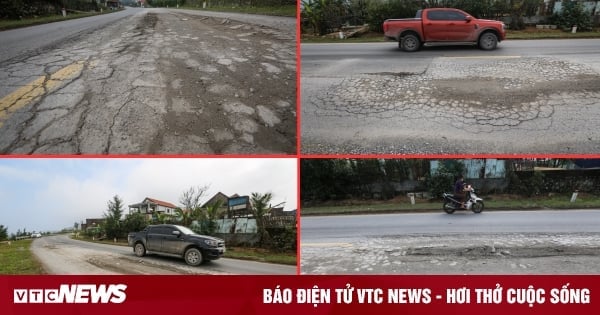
(191, 201)
(212, 211)
(3, 232)
(134, 222)
(573, 14)
(113, 226)
(184, 217)
(261, 206)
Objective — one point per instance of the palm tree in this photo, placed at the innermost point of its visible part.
(184, 216)
(197, 216)
(162, 218)
(212, 211)
(261, 206)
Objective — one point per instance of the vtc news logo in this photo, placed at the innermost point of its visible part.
(73, 294)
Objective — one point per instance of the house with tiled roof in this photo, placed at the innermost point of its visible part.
(151, 207)
(223, 199)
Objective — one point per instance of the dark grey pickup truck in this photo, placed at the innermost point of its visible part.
(176, 240)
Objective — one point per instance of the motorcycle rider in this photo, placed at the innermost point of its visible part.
(460, 193)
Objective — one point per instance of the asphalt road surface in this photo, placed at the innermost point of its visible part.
(62, 255)
(503, 242)
(150, 81)
(529, 96)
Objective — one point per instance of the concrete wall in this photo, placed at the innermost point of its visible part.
(238, 231)
(478, 168)
(237, 225)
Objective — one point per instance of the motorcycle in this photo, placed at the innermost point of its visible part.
(472, 203)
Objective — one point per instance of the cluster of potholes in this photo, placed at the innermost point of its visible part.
(491, 251)
(170, 83)
(238, 83)
(136, 265)
(474, 95)
(420, 252)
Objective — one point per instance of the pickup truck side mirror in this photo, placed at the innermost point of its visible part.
(468, 18)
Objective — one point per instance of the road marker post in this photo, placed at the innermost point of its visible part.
(574, 196)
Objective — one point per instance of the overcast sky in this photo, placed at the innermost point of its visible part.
(52, 194)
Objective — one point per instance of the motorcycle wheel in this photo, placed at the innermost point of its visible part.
(448, 207)
(477, 207)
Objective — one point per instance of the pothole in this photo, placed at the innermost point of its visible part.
(498, 251)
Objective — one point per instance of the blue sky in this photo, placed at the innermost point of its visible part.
(52, 194)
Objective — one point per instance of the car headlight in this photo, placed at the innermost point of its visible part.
(211, 243)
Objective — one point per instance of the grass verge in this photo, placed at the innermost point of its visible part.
(496, 202)
(254, 254)
(261, 255)
(281, 10)
(533, 33)
(17, 259)
(11, 24)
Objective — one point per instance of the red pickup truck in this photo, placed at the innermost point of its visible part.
(444, 26)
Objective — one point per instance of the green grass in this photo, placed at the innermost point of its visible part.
(491, 203)
(262, 255)
(11, 24)
(17, 259)
(550, 34)
(280, 10)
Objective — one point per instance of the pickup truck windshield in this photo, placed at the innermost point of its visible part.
(185, 230)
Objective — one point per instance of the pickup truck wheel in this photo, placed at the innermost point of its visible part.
(488, 41)
(139, 249)
(410, 43)
(193, 257)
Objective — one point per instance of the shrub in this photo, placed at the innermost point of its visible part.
(572, 14)
(379, 11)
(283, 240)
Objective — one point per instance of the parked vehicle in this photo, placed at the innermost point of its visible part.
(176, 240)
(36, 235)
(472, 202)
(444, 26)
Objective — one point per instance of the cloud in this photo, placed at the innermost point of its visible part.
(14, 173)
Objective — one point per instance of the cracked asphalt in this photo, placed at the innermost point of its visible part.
(510, 253)
(502, 242)
(155, 82)
(450, 100)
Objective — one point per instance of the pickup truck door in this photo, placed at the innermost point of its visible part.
(172, 243)
(154, 239)
(447, 25)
